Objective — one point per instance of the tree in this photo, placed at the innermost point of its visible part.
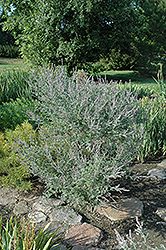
(6, 37)
(73, 31)
(151, 41)
(81, 31)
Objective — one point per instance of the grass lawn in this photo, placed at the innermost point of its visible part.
(133, 76)
(11, 63)
(124, 75)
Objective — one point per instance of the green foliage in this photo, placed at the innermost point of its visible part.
(75, 31)
(13, 113)
(17, 234)
(88, 134)
(13, 85)
(150, 42)
(141, 91)
(155, 133)
(6, 37)
(11, 51)
(127, 33)
(12, 172)
(115, 61)
(160, 81)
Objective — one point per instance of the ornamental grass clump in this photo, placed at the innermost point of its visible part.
(154, 142)
(155, 128)
(18, 234)
(87, 135)
(13, 85)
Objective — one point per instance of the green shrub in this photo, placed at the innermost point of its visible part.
(13, 113)
(17, 234)
(90, 134)
(13, 85)
(116, 61)
(12, 172)
(11, 51)
(93, 68)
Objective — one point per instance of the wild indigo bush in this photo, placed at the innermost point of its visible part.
(87, 135)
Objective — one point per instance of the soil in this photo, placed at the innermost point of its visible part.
(151, 191)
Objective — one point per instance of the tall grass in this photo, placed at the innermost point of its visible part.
(13, 85)
(19, 234)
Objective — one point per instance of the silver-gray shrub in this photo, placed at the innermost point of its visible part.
(88, 133)
(130, 243)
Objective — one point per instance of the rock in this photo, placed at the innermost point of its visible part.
(79, 247)
(37, 217)
(8, 197)
(84, 235)
(65, 215)
(161, 212)
(123, 209)
(45, 205)
(53, 226)
(162, 164)
(157, 173)
(21, 208)
(60, 247)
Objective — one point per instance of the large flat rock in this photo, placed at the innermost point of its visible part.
(37, 217)
(121, 210)
(84, 235)
(20, 208)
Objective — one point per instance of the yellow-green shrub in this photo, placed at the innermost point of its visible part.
(12, 172)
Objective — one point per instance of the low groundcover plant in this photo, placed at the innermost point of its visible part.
(87, 135)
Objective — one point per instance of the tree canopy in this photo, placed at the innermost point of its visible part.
(80, 31)
(6, 37)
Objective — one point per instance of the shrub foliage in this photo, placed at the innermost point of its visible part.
(88, 133)
(13, 113)
(12, 172)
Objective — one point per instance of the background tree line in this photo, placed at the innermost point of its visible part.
(126, 34)
(7, 40)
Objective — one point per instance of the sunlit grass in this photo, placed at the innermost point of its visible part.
(11, 63)
(133, 77)
(123, 75)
